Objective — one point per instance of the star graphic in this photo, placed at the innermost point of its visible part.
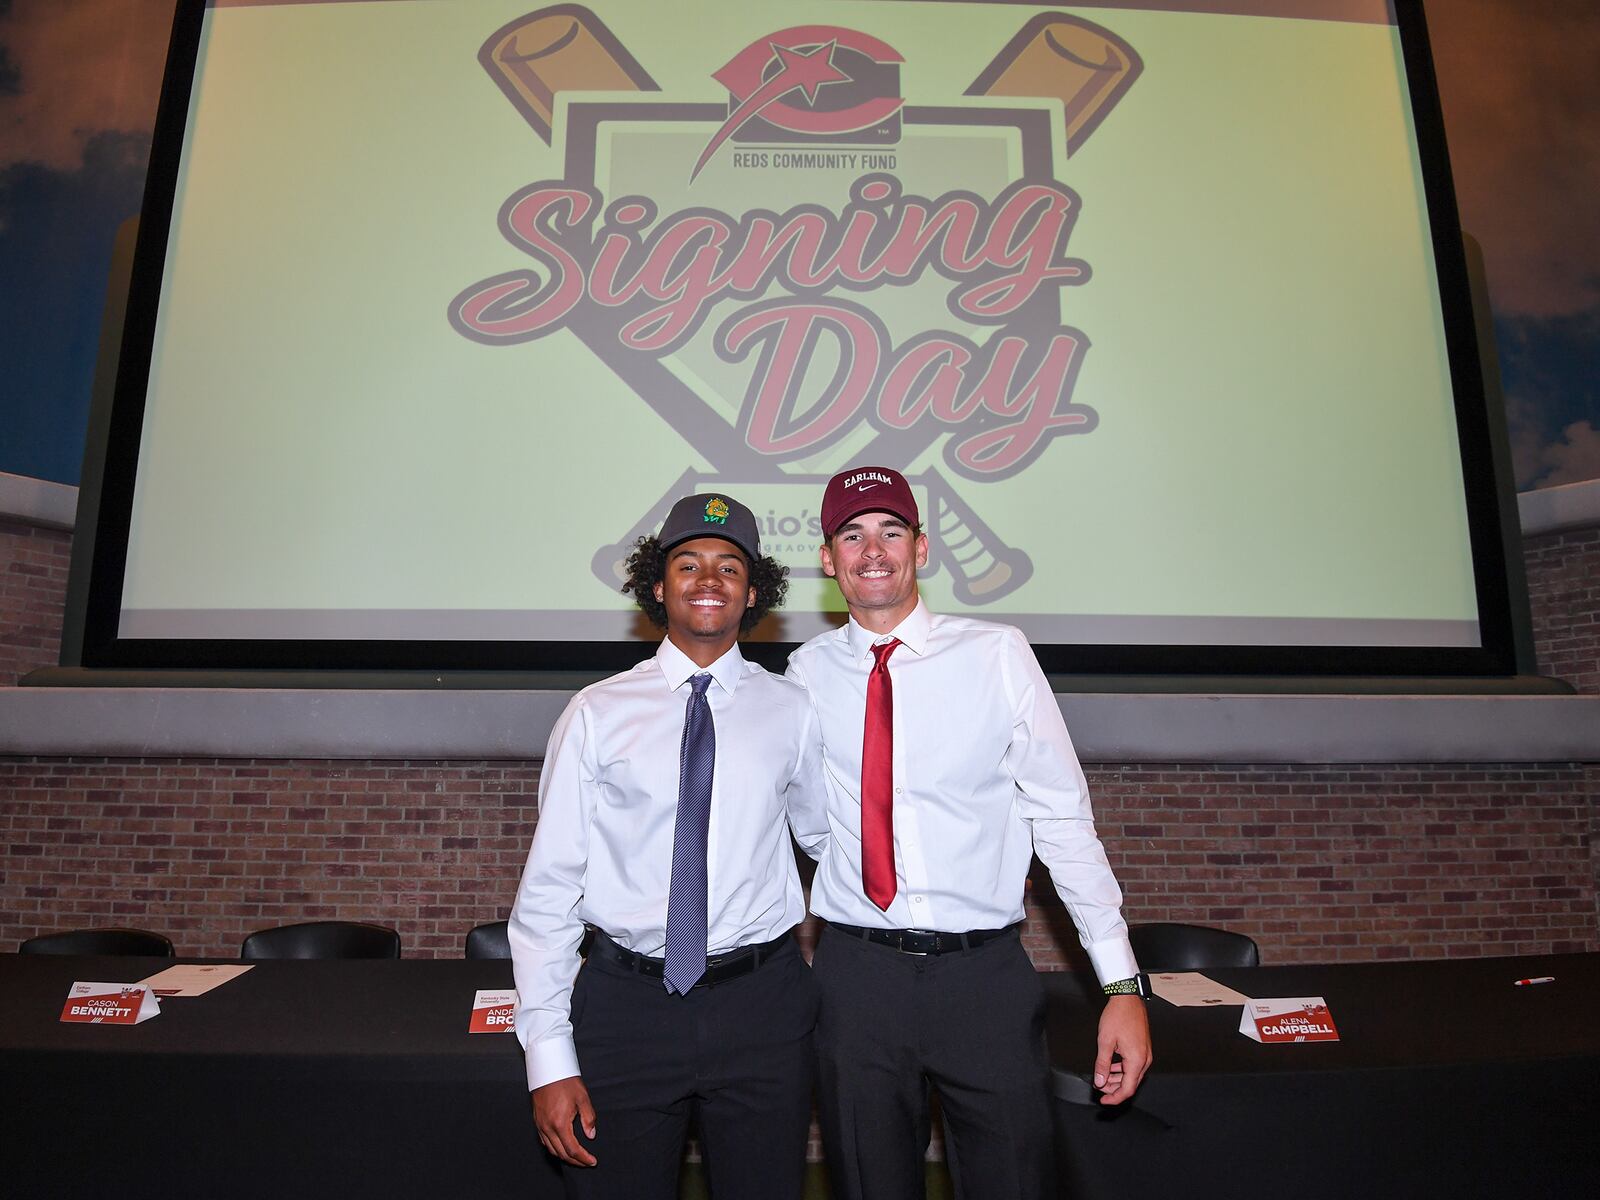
(807, 69)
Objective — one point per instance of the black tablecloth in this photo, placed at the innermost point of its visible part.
(354, 1079)
(295, 1080)
(1448, 1080)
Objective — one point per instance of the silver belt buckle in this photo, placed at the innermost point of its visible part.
(918, 953)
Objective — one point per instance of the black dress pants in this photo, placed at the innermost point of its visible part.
(970, 1023)
(734, 1060)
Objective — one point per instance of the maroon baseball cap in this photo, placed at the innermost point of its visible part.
(867, 489)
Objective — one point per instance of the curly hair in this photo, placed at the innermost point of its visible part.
(647, 566)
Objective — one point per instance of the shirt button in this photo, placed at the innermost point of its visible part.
(897, 791)
(916, 899)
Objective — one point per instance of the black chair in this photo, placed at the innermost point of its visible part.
(323, 939)
(1168, 946)
(488, 940)
(136, 942)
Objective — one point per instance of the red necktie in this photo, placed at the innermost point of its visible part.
(877, 782)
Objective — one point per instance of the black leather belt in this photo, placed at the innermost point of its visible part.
(719, 967)
(923, 941)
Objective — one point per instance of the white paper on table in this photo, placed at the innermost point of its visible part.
(192, 979)
(1190, 988)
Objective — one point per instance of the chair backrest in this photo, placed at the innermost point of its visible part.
(139, 942)
(323, 939)
(488, 940)
(1169, 946)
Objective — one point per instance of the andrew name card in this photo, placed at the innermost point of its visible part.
(109, 1004)
(493, 1012)
(1291, 1019)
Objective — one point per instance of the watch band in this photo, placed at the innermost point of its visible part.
(1136, 985)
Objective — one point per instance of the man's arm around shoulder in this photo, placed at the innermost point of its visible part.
(806, 798)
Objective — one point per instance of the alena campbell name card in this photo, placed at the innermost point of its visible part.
(1288, 1019)
(91, 1003)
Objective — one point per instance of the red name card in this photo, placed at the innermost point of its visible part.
(109, 1004)
(493, 1012)
(1289, 1019)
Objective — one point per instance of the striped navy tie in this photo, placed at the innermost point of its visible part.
(686, 898)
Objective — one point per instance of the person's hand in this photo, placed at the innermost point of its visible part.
(1125, 1031)
(554, 1107)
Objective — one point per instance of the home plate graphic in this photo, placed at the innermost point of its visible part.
(813, 273)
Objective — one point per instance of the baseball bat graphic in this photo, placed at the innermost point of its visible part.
(610, 563)
(564, 48)
(982, 567)
(1089, 69)
(1056, 56)
(567, 48)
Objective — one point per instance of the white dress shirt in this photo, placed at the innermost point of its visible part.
(985, 776)
(608, 799)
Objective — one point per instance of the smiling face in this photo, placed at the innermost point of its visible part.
(705, 589)
(874, 558)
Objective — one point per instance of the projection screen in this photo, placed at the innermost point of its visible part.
(438, 306)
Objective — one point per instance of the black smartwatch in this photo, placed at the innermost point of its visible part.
(1137, 985)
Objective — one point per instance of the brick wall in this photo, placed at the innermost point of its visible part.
(1353, 864)
(1564, 594)
(206, 850)
(1319, 864)
(33, 590)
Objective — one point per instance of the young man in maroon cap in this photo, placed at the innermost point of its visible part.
(948, 768)
(665, 804)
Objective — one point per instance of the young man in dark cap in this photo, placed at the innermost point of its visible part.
(948, 768)
(665, 804)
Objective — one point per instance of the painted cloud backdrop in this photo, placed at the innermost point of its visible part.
(1521, 95)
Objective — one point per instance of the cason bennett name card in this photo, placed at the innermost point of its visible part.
(109, 1004)
(1288, 1019)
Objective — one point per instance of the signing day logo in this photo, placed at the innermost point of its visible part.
(890, 285)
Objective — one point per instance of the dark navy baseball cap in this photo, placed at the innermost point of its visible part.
(712, 514)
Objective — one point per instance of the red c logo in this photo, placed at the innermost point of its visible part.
(779, 77)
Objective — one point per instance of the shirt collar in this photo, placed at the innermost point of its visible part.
(677, 667)
(912, 632)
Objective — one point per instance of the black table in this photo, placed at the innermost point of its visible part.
(354, 1079)
(1447, 1081)
(295, 1080)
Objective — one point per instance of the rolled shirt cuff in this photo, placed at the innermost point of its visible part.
(1113, 960)
(550, 1060)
